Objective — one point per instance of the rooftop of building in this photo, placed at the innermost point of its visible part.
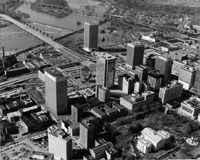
(118, 106)
(135, 44)
(144, 141)
(188, 68)
(164, 58)
(155, 73)
(133, 98)
(106, 56)
(92, 23)
(54, 72)
(140, 67)
(89, 122)
(109, 109)
(172, 84)
(56, 131)
(30, 154)
(64, 66)
(164, 134)
(194, 102)
(98, 111)
(152, 134)
(74, 125)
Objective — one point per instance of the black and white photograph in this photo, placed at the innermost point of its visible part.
(99, 79)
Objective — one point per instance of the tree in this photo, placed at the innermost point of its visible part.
(135, 128)
(186, 128)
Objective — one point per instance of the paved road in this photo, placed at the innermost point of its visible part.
(17, 80)
(60, 48)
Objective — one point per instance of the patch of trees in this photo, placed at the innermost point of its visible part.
(189, 127)
(135, 128)
(146, 5)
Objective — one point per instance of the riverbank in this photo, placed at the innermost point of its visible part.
(4, 24)
(9, 8)
(53, 11)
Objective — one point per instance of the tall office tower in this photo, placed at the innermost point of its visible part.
(60, 144)
(149, 60)
(164, 65)
(126, 83)
(155, 79)
(76, 112)
(105, 70)
(186, 77)
(135, 53)
(87, 133)
(90, 36)
(197, 80)
(102, 94)
(142, 72)
(171, 92)
(56, 91)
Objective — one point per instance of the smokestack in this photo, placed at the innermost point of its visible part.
(3, 60)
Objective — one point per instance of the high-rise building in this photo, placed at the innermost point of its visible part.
(149, 60)
(126, 83)
(176, 67)
(171, 92)
(142, 72)
(76, 112)
(186, 77)
(102, 94)
(164, 65)
(56, 91)
(155, 79)
(60, 144)
(90, 36)
(135, 53)
(105, 70)
(197, 80)
(138, 87)
(87, 133)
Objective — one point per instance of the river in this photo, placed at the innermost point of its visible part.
(14, 39)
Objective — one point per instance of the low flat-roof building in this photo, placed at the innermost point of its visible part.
(190, 107)
(30, 154)
(132, 102)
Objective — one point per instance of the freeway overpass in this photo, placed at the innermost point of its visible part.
(60, 48)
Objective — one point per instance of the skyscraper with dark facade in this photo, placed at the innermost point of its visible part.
(56, 91)
(90, 36)
(76, 112)
(135, 54)
(164, 65)
(105, 70)
(142, 72)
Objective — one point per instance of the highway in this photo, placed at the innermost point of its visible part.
(60, 48)
(16, 80)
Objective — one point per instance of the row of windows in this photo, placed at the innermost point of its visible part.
(187, 109)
